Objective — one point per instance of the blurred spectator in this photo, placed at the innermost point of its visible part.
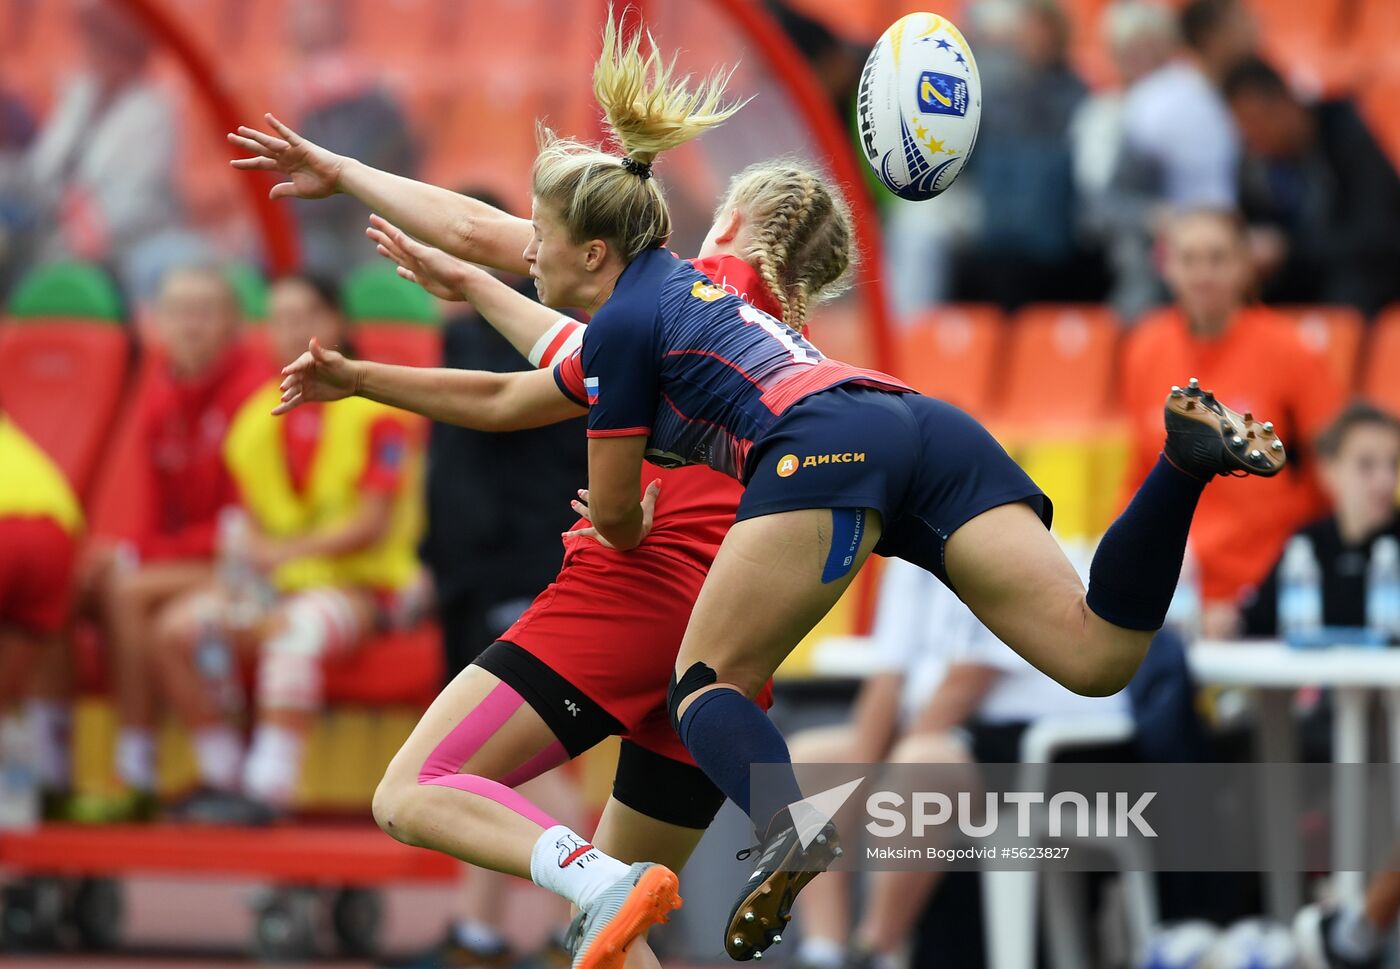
(497, 504)
(202, 373)
(945, 690)
(1142, 38)
(332, 517)
(93, 194)
(1323, 198)
(1025, 245)
(1359, 466)
(340, 105)
(1256, 361)
(1179, 148)
(39, 521)
(1352, 933)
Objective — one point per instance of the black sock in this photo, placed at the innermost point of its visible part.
(727, 733)
(1137, 564)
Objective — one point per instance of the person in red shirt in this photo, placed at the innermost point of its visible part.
(1214, 332)
(202, 372)
(310, 563)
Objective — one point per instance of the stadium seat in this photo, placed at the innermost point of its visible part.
(1059, 366)
(839, 330)
(1378, 100)
(1335, 331)
(953, 353)
(1380, 380)
(399, 668)
(63, 362)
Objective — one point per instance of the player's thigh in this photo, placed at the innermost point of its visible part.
(478, 719)
(630, 836)
(766, 590)
(1015, 577)
(832, 744)
(149, 585)
(339, 618)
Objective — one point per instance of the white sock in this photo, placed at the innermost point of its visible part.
(821, 953)
(477, 936)
(51, 727)
(273, 767)
(219, 752)
(1353, 936)
(136, 758)
(587, 873)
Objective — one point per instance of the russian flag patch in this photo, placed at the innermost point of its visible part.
(590, 387)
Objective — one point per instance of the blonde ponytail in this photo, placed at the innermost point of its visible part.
(648, 110)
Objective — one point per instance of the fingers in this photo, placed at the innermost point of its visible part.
(583, 494)
(589, 532)
(261, 141)
(580, 509)
(408, 274)
(317, 351)
(284, 190)
(291, 136)
(261, 162)
(299, 364)
(289, 404)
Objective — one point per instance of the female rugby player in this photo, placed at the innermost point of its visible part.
(564, 654)
(835, 461)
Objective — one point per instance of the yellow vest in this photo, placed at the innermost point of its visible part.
(31, 485)
(256, 455)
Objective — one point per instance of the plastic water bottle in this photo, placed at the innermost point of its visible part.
(1299, 591)
(241, 583)
(1383, 588)
(19, 778)
(213, 656)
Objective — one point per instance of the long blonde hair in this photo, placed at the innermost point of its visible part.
(648, 110)
(801, 235)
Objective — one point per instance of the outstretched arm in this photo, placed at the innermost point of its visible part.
(470, 398)
(457, 224)
(540, 334)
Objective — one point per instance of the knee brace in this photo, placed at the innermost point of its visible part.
(699, 676)
(289, 670)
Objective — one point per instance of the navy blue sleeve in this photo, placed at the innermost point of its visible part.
(620, 367)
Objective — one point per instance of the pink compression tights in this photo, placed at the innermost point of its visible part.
(443, 764)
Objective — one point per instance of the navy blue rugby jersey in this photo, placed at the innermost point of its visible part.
(683, 359)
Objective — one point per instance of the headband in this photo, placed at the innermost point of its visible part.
(641, 169)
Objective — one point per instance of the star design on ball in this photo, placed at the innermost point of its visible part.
(932, 144)
(960, 59)
(943, 44)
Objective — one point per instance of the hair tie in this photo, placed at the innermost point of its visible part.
(641, 169)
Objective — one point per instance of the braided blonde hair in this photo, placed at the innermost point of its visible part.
(801, 234)
(648, 110)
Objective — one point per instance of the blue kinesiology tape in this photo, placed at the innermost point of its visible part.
(847, 527)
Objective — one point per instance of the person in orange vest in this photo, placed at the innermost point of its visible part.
(310, 565)
(1216, 333)
(40, 520)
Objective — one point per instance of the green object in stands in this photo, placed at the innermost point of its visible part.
(66, 290)
(377, 292)
(251, 289)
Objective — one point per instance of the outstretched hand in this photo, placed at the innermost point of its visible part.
(442, 275)
(317, 375)
(580, 506)
(313, 172)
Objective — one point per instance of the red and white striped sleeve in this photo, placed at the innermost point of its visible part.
(560, 340)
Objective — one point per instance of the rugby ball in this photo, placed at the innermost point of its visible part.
(918, 106)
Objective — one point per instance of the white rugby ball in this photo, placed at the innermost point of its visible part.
(919, 104)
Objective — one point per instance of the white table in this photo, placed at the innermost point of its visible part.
(1275, 671)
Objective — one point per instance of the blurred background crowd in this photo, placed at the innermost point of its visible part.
(233, 619)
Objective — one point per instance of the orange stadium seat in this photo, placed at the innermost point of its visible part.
(1060, 365)
(1380, 379)
(64, 358)
(1332, 330)
(952, 353)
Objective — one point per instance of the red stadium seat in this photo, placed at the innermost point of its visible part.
(1332, 330)
(1380, 379)
(408, 344)
(61, 379)
(953, 353)
(1060, 365)
(400, 668)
